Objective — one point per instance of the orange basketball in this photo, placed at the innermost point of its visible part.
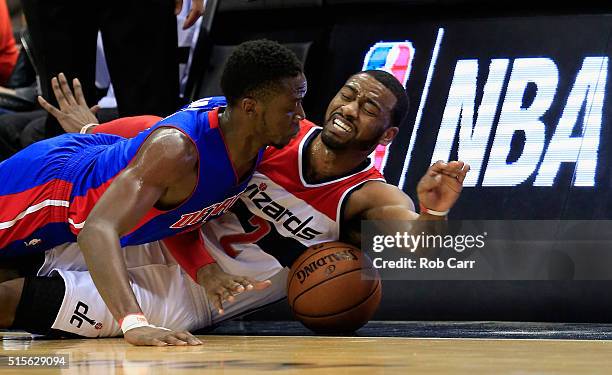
(333, 288)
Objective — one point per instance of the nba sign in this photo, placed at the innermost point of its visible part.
(395, 58)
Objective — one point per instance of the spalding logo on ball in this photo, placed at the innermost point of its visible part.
(322, 260)
(333, 288)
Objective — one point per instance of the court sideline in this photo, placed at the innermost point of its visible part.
(285, 347)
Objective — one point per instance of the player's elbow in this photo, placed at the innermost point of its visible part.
(93, 232)
(391, 212)
(84, 235)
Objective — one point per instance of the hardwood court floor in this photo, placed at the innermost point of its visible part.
(234, 354)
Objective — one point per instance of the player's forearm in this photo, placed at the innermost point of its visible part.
(189, 251)
(391, 220)
(102, 253)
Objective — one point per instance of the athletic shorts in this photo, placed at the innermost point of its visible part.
(168, 297)
(35, 193)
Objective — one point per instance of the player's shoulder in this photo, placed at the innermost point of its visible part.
(207, 104)
(196, 118)
(170, 142)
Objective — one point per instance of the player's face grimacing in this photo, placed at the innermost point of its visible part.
(283, 111)
(359, 115)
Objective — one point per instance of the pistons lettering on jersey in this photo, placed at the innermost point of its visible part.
(278, 213)
(204, 214)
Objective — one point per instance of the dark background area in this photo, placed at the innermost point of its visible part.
(333, 37)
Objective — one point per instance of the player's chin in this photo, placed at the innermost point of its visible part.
(283, 142)
(279, 145)
(333, 142)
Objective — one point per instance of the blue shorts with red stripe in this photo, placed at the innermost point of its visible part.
(35, 191)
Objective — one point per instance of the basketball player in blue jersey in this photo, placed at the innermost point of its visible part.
(106, 191)
(322, 178)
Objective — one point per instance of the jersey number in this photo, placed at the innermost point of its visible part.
(262, 228)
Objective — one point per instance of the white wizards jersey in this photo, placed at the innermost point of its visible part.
(280, 214)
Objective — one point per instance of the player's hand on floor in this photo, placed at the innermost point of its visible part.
(154, 336)
(221, 286)
(73, 112)
(441, 185)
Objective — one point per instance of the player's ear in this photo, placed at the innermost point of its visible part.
(248, 105)
(388, 136)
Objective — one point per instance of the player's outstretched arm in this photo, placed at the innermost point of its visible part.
(377, 200)
(438, 190)
(164, 160)
(195, 12)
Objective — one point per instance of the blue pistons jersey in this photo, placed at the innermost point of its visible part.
(51, 187)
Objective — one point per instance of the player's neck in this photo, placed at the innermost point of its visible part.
(242, 146)
(323, 163)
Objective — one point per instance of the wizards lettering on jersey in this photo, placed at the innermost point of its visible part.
(278, 213)
(204, 214)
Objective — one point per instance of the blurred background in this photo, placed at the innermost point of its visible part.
(519, 89)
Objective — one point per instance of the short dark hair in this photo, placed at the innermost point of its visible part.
(400, 110)
(255, 67)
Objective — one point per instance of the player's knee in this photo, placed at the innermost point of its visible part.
(10, 294)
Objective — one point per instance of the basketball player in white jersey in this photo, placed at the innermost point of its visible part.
(314, 190)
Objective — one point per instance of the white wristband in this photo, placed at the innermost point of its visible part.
(86, 127)
(132, 321)
(433, 212)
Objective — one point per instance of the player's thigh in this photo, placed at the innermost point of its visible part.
(161, 291)
(68, 257)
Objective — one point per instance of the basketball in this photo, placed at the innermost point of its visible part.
(333, 288)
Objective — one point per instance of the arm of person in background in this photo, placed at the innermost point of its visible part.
(4, 90)
(73, 113)
(195, 11)
(187, 248)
